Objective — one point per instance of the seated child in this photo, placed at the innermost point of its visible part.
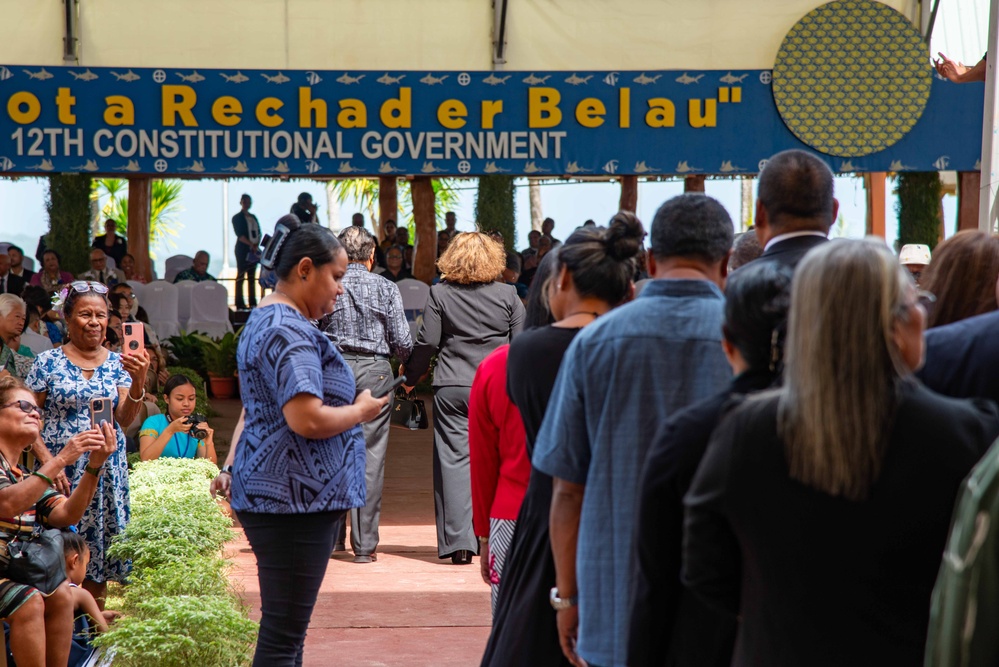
(169, 435)
(85, 608)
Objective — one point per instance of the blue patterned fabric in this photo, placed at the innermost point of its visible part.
(621, 378)
(281, 354)
(66, 413)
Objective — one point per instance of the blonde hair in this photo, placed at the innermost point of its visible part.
(842, 367)
(472, 257)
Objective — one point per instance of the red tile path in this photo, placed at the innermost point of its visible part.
(408, 609)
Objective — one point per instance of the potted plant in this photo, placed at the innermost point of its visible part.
(220, 362)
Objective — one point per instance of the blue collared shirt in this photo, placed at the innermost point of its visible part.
(368, 317)
(621, 378)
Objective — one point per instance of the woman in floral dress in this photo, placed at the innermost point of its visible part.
(64, 381)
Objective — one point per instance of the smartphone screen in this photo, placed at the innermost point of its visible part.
(101, 410)
(135, 341)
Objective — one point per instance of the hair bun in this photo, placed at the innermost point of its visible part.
(624, 235)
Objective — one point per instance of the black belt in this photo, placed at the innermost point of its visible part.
(363, 355)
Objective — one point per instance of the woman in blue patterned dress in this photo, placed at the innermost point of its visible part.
(299, 462)
(64, 381)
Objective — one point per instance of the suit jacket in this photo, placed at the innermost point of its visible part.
(12, 284)
(817, 579)
(789, 252)
(962, 358)
(669, 625)
(462, 324)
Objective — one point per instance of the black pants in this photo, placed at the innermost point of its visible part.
(245, 272)
(292, 552)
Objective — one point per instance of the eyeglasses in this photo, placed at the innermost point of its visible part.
(27, 407)
(925, 298)
(81, 286)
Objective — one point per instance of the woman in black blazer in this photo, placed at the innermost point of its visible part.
(820, 510)
(468, 315)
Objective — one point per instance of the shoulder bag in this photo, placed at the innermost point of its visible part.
(409, 412)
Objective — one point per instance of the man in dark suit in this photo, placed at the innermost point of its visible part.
(9, 283)
(795, 206)
(962, 358)
(17, 268)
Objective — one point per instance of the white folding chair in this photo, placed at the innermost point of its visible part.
(414, 297)
(159, 299)
(209, 309)
(184, 288)
(175, 265)
(28, 263)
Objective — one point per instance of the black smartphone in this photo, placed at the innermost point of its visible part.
(101, 410)
(388, 389)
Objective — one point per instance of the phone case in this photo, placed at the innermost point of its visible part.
(134, 336)
(101, 410)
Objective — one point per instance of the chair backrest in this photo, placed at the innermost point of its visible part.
(28, 263)
(414, 297)
(159, 299)
(184, 288)
(175, 265)
(209, 309)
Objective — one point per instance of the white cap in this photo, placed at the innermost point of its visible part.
(914, 253)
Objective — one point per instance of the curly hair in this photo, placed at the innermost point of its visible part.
(472, 257)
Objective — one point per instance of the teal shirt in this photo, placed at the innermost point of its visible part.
(180, 446)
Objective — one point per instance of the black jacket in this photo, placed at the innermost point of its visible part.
(669, 625)
(816, 579)
(790, 251)
(13, 284)
(962, 359)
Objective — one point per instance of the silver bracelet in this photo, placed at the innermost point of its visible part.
(136, 400)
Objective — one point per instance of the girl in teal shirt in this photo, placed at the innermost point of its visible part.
(169, 435)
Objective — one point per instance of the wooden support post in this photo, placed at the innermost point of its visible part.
(140, 190)
(424, 214)
(388, 203)
(874, 184)
(629, 194)
(968, 185)
(694, 183)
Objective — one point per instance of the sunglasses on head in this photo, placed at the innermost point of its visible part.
(26, 407)
(81, 286)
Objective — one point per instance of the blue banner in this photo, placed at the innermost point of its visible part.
(323, 124)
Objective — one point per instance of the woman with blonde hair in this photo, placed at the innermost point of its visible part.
(820, 510)
(468, 315)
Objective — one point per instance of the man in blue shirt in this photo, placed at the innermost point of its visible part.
(622, 377)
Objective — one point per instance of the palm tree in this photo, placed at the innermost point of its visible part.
(164, 207)
(365, 192)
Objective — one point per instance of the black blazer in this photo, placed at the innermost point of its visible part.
(962, 359)
(819, 580)
(790, 251)
(669, 625)
(13, 284)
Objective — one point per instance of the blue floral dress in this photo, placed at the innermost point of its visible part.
(66, 413)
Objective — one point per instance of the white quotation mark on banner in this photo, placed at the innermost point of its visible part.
(160, 165)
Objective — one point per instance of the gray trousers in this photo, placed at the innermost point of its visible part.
(452, 477)
(370, 373)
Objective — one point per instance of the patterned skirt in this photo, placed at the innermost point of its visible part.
(500, 536)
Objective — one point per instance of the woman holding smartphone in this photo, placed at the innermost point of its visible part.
(65, 381)
(300, 458)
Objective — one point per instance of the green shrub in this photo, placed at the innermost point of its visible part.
(185, 351)
(68, 206)
(197, 576)
(172, 471)
(918, 208)
(182, 631)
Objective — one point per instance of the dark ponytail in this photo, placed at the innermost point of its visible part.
(294, 240)
(602, 260)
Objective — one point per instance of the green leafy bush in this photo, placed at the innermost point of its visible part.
(182, 631)
(185, 351)
(198, 576)
(172, 471)
(220, 353)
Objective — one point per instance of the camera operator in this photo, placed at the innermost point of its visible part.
(181, 433)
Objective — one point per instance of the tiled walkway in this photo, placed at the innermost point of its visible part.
(408, 609)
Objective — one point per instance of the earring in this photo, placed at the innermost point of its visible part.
(302, 276)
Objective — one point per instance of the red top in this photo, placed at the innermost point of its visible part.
(497, 446)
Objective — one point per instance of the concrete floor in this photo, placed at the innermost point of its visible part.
(408, 608)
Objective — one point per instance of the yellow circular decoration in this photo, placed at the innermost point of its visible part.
(861, 72)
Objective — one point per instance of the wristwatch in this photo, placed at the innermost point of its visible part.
(96, 472)
(558, 604)
(227, 470)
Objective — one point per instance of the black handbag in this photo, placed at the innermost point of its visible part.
(37, 559)
(409, 412)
